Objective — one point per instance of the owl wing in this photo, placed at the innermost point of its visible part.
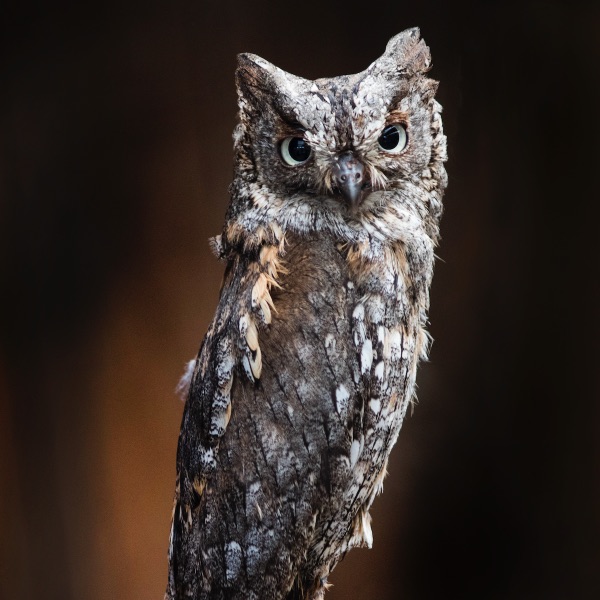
(255, 486)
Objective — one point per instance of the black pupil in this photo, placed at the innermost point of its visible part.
(299, 150)
(390, 138)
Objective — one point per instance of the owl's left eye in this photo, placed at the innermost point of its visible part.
(394, 138)
(295, 151)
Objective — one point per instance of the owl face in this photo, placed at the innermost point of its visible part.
(337, 149)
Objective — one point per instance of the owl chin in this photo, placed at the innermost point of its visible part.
(370, 199)
(357, 203)
(355, 200)
(354, 206)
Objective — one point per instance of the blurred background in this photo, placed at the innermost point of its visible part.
(115, 158)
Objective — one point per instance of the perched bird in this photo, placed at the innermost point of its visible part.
(304, 377)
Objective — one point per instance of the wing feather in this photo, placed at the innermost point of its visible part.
(267, 470)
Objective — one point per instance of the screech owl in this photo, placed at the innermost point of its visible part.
(305, 374)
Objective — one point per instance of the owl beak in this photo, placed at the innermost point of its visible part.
(349, 178)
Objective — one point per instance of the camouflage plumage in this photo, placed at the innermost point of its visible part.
(304, 377)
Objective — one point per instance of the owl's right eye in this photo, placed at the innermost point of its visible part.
(295, 151)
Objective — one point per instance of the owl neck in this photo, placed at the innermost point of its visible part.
(389, 251)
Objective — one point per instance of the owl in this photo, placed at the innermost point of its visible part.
(302, 382)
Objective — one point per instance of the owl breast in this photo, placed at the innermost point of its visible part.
(337, 373)
(386, 337)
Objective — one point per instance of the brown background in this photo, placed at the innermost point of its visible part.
(115, 134)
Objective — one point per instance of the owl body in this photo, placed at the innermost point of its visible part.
(302, 382)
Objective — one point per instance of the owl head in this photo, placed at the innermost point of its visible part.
(349, 154)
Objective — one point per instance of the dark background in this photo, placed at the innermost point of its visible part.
(115, 140)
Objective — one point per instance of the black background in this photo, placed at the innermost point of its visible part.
(115, 132)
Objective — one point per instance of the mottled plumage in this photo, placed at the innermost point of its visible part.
(302, 382)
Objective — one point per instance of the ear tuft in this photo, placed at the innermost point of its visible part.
(406, 37)
(255, 75)
(255, 72)
(408, 52)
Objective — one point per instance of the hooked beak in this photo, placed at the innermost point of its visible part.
(349, 178)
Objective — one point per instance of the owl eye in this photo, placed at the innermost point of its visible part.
(295, 151)
(393, 139)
